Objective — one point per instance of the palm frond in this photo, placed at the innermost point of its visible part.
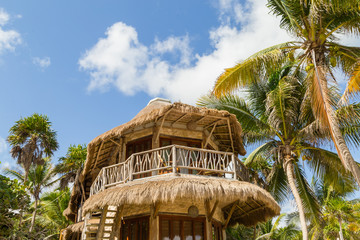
(353, 84)
(327, 166)
(245, 72)
(260, 152)
(277, 183)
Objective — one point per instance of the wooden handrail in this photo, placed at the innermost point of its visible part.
(175, 157)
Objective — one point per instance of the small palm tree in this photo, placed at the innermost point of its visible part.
(316, 26)
(53, 204)
(39, 177)
(278, 116)
(30, 138)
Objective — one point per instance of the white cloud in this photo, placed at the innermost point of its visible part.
(4, 17)
(8, 38)
(122, 61)
(42, 62)
(3, 145)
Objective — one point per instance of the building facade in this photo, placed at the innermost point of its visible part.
(172, 172)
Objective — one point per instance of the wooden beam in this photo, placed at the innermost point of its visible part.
(115, 142)
(161, 125)
(201, 118)
(242, 210)
(182, 116)
(209, 137)
(210, 213)
(214, 122)
(255, 209)
(230, 213)
(213, 209)
(207, 208)
(116, 228)
(232, 142)
(98, 154)
(100, 230)
(154, 209)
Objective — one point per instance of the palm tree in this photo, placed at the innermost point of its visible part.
(316, 25)
(53, 204)
(272, 231)
(30, 138)
(279, 117)
(71, 165)
(341, 217)
(39, 177)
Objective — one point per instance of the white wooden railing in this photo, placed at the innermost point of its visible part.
(171, 159)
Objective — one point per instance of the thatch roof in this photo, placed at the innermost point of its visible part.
(258, 203)
(76, 227)
(72, 229)
(101, 146)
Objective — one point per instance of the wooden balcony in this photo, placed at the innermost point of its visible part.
(171, 159)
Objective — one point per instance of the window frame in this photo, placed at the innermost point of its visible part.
(180, 218)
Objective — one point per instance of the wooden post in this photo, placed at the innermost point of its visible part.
(100, 231)
(131, 168)
(117, 222)
(104, 180)
(230, 213)
(154, 222)
(173, 149)
(234, 165)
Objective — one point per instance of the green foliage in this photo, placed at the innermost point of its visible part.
(71, 165)
(13, 199)
(277, 115)
(51, 212)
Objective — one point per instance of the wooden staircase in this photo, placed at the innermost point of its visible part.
(101, 224)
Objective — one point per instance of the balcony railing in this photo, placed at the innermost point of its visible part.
(171, 159)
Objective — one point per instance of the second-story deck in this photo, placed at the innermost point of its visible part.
(171, 159)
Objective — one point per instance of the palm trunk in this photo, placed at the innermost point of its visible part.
(341, 231)
(33, 217)
(328, 117)
(289, 170)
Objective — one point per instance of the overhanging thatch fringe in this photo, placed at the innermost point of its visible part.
(167, 189)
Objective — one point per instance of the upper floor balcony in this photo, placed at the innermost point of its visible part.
(173, 159)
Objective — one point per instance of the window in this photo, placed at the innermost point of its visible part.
(139, 145)
(216, 231)
(135, 229)
(182, 228)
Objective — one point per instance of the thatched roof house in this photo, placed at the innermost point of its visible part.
(170, 158)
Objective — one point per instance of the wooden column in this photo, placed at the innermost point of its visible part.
(154, 222)
(208, 227)
(123, 152)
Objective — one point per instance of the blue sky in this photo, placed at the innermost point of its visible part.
(92, 65)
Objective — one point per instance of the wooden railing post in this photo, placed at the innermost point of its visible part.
(234, 165)
(173, 149)
(104, 179)
(131, 168)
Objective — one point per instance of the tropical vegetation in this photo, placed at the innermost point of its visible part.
(316, 26)
(278, 117)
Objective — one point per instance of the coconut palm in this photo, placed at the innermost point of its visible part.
(39, 177)
(30, 138)
(272, 231)
(278, 117)
(341, 217)
(316, 26)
